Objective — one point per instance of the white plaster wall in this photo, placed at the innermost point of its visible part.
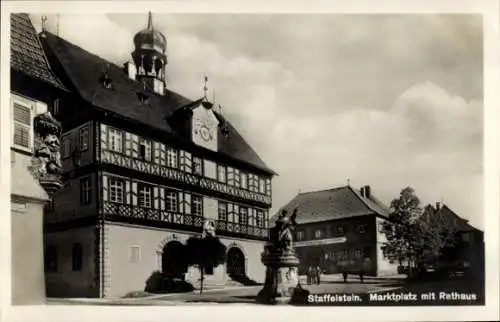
(125, 276)
(210, 208)
(210, 169)
(384, 267)
(28, 286)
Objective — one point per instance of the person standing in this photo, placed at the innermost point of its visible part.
(309, 275)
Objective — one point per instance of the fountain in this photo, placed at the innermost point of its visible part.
(282, 279)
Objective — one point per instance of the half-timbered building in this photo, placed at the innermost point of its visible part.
(144, 169)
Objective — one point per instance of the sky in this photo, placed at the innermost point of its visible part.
(388, 101)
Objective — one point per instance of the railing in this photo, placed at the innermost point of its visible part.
(188, 220)
(124, 210)
(231, 227)
(122, 160)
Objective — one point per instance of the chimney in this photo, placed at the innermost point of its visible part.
(367, 192)
(362, 191)
(438, 206)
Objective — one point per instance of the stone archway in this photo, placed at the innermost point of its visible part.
(235, 264)
(173, 262)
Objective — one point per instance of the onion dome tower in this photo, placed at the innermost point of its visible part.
(150, 57)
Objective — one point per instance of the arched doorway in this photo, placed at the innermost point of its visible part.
(173, 263)
(235, 265)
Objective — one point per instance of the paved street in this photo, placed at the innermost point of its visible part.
(332, 284)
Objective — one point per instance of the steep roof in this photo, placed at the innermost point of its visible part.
(26, 53)
(331, 204)
(83, 69)
(459, 223)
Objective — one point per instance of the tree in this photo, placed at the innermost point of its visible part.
(399, 229)
(437, 236)
(205, 253)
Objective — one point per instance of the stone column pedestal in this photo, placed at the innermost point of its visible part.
(282, 278)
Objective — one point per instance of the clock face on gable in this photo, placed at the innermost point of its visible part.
(205, 127)
(205, 133)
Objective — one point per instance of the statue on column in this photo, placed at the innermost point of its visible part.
(46, 164)
(282, 278)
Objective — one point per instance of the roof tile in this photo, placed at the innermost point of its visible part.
(27, 55)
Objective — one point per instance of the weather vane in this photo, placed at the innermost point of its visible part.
(205, 87)
(44, 20)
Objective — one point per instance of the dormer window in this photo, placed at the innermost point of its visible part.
(143, 98)
(105, 80)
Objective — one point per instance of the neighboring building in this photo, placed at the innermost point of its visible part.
(339, 230)
(467, 255)
(34, 89)
(145, 168)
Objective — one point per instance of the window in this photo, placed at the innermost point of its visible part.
(361, 228)
(134, 254)
(344, 255)
(84, 138)
(332, 256)
(85, 191)
(172, 159)
(243, 218)
(251, 182)
(115, 140)
(51, 259)
(221, 173)
(300, 235)
(357, 253)
(259, 218)
(55, 107)
(144, 199)
(115, 190)
(262, 185)
(244, 180)
(466, 237)
(268, 186)
(222, 211)
(197, 166)
(145, 150)
(66, 148)
(237, 178)
(172, 201)
(367, 252)
(318, 233)
(23, 129)
(230, 176)
(77, 257)
(339, 229)
(197, 208)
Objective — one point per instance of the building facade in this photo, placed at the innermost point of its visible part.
(339, 231)
(34, 90)
(144, 169)
(467, 254)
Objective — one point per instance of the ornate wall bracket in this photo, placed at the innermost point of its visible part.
(46, 162)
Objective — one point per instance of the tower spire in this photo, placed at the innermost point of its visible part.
(150, 20)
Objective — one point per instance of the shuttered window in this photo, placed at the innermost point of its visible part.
(23, 130)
